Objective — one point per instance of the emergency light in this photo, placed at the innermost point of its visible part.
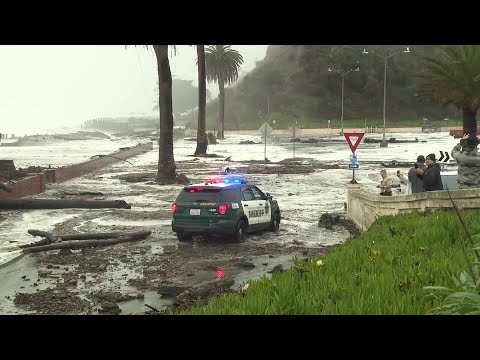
(227, 180)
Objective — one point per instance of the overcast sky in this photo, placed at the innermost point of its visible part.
(44, 86)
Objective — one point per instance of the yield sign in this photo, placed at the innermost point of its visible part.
(358, 136)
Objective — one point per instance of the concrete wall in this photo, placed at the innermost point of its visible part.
(30, 185)
(70, 172)
(34, 185)
(363, 207)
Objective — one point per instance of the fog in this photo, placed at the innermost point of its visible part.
(55, 86)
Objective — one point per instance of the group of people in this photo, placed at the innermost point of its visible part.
(423, 176)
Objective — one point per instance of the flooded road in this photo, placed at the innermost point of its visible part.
(134, 270)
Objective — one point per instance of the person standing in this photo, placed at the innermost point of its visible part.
(386, 184)
(404, 187)
(416, 180)
(432, 180)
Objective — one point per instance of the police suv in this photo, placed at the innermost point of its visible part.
(226, 206)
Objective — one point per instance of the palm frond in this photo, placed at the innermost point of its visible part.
(453, 77)
(222, 63)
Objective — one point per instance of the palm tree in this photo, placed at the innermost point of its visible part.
(222, 66)
(454, 78)
(166, 162)
(202, 139)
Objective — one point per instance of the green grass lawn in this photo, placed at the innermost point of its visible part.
(382, 272)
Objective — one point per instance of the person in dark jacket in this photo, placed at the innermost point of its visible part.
(468, 160)
(432, 180)
(416, 181)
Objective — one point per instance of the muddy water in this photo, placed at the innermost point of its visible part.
(135, 268)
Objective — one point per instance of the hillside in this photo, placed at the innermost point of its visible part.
(294, 83)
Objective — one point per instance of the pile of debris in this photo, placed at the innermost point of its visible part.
(8, 171)
(329, 220)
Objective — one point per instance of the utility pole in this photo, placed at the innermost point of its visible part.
(385, 58)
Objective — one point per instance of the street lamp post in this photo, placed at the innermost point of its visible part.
(385, 58)
(343, 85)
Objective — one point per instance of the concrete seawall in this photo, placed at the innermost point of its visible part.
(363, 207)
(35, 184)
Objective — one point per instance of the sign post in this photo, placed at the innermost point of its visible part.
(353, 158)
(353, 165)
(295, 131)
(265, 130)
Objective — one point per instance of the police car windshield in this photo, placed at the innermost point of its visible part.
(207, 195)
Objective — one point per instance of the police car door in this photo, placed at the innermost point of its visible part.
(249, 205)
(263, 206)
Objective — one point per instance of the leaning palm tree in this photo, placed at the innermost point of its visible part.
(202, 139)
(222, 66)
(454, 78)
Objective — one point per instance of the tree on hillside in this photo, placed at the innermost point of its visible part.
(222, 66)
(454, 78)
(307, 90)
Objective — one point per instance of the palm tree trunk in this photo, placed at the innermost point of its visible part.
(469, 121)
(166, 161)
(221, 98)
(202, 140)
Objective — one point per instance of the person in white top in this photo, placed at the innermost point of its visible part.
(399, 180)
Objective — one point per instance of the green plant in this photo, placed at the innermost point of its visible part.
(464, 298)
(381, 272)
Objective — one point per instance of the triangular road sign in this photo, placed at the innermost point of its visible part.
(359, 137)
(265, 129)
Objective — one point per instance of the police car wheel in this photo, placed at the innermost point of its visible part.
(275, 224)
(184, 236)
(240, 232)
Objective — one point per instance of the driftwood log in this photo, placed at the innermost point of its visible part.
(38, 243)
(47, 235)
(51, 239)
(80, 241)
(16, 204)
